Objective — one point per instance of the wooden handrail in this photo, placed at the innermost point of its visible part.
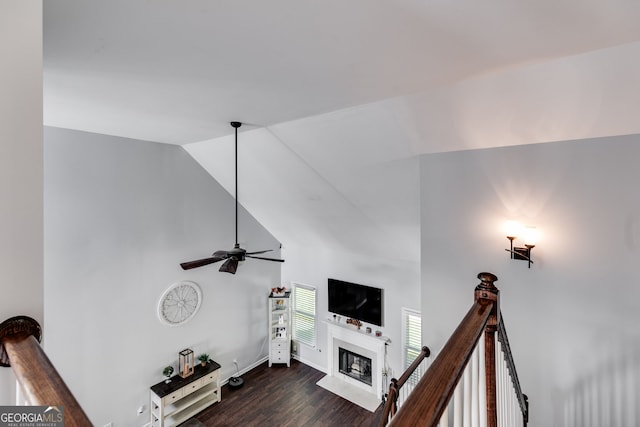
(391, 404)
(424, 353)
(38, 378)
(429, 399)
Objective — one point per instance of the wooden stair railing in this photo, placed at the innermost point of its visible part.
(391, 403)
(38, 378)
(430, 398)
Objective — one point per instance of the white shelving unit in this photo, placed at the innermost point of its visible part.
(175, 402)
(280, 329)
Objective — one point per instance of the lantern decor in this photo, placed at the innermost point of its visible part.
(185, 363)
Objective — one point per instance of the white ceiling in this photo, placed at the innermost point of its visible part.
(339, 97)
(178, 72)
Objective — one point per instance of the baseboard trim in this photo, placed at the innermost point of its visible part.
(266, 358)
(247, 369)
(313, 365)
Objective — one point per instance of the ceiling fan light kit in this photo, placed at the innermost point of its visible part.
(237, 254)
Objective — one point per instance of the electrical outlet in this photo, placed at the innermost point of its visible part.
(108, 425)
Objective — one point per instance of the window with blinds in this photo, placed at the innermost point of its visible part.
(412, 335)
(304, 316)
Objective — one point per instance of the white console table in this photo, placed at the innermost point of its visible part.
(178, 400)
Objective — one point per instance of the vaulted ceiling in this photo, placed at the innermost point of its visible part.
(338, 97)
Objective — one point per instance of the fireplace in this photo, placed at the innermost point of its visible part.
(354, 365)
(349, 347)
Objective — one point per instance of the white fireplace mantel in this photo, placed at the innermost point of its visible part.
(347, 336)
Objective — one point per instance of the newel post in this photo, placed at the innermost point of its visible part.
(40, 382)
(486, 292)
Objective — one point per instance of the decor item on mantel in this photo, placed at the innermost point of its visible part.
(203, 358)
(167, 373)
(355, 323)
(236, 254)
(185, 363)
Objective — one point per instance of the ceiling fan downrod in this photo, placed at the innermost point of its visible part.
(236, 125)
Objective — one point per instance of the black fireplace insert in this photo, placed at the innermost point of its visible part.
(355, 365)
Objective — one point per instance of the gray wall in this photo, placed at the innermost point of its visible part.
(574, 314)
(21, 255)
(119, 217)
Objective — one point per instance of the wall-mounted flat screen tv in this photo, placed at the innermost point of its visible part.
(356, 301)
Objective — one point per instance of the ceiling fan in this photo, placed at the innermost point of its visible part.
(236, 254)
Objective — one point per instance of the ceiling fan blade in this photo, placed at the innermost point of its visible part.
(200, 262)
(266, 259)
(229, 266)
(259, 252)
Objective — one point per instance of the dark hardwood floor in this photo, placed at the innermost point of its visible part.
(281, 396)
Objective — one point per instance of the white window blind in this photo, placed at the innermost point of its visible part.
(304, 319)
(412, 335)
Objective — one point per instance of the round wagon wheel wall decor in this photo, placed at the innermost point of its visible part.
(179, 303)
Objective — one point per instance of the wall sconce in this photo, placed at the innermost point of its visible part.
(529, 235)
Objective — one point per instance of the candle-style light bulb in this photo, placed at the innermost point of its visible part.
(530, 236)
(512, 229)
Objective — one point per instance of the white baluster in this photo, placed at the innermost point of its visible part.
(444, 419)
(617, 397)
(505, 390)
(594, 403)
(466, 405)
(483, 382)
(512, 399)
(582, 407)
(505, 394)
(631, 394)
(475, 398)
(606, 393)
(457, 405)
(569, 412)
(499, 397)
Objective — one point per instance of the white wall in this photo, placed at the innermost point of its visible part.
(399, 279)
(20, 168)
(120, 215)
(576, 310)
(593, 94)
